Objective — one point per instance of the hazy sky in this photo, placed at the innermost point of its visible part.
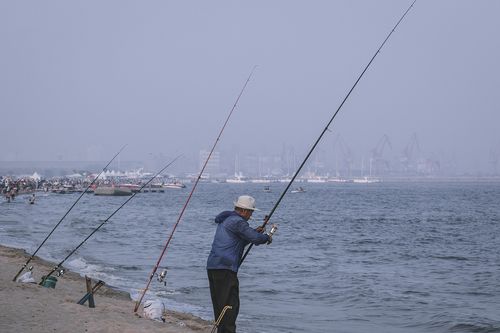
(79, 79)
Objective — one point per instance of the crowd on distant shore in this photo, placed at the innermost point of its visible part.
(11, 186)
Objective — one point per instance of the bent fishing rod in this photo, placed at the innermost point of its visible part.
(268, 216)
(62, 218)
(58, 266)
(155, 268)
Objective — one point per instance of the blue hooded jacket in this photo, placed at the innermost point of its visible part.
(232, 235)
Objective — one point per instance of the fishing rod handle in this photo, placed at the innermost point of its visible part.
(266, 221)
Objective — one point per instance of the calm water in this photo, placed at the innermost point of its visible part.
(387, 257)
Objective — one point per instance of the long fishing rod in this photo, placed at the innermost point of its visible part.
(155, 268)
(62, 218)
(56, 268)
(268, 216)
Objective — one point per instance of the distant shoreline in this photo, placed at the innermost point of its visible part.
(59, 168)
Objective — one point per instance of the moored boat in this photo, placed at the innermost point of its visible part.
(298, 190)
(175, 184)
(366, 180)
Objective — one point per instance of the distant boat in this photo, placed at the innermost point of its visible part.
(64, 189)
(133, 187)
(238, 176)
(298, 190)
(113, 190)
(237, 179)
(154, 188)
(316, 180)
(267, 189)
(337, 180)
(260, 181)
(366, 180)
(175, 184)
(60, 190)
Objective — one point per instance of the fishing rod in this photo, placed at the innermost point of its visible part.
(155, 268)
(62, 218)
(58, 266)
(268, 216)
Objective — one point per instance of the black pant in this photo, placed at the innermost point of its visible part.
(225, 290)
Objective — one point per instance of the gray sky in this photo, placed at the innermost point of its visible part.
(80, 79)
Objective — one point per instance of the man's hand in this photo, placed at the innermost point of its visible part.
(260, 229)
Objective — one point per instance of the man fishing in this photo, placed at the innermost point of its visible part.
(232, 235)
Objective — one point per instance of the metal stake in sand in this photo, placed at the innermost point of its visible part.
(62, 218)
(155, 268)
(268, 217)
(56, 268)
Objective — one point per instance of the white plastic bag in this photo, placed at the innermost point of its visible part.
(26, 278)
(154, 310)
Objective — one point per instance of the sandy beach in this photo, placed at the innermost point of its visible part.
(28, 307)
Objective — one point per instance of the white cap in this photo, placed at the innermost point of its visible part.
(245, 202)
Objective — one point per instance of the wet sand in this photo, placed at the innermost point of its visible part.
(28, 307)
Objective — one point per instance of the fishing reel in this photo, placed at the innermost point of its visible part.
(162, 277)
(271, 232)
(29, 268)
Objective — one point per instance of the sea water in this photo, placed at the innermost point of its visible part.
(380, 257)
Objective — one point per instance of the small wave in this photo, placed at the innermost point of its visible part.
(167, 292)
(367, 241)
(9, 222)
(359, 251)
(451, 258)
(478, 293)
(468, 324)
(189, 290)
(268, 291)
(129, 267)
(407, 256)
(81, 266)
(199, 311)
(414, 292)
(357, 319)
(77, 221)
(15, 232)
(79, 263)
(13, 203)
(476, 328)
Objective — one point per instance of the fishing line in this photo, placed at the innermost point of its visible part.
(106, 220)
(69, 210)
(155, 268)
(268, 216)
